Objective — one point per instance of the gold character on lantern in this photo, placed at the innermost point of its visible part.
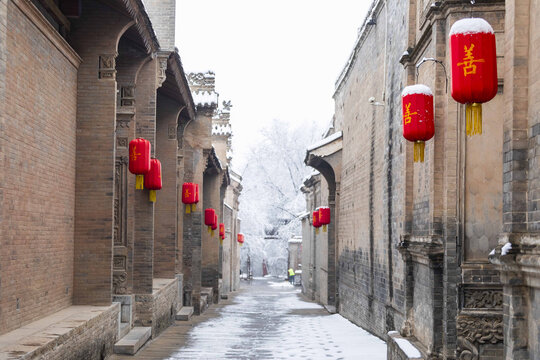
(134, 154)
(408, 114)
(468, 61)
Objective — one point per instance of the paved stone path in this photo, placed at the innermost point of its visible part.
(266, 319)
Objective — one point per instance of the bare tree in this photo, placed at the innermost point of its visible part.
(271, 198)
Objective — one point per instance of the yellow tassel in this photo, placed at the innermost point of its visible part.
(473, 118)
(188, 208)
(193, 207)
(153, 195)
(419, 147)
(212, 232)
(324, 228)
(139, 182)
(316, 230)
(220, 241)
(209, 229)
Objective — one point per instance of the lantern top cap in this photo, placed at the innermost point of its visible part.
(471, 26)
(323, 207)
(417, 89)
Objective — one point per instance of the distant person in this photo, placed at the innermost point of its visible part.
(291, 276)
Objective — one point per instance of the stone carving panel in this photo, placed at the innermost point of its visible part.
(107, 66)
(483, 299)
(120, 283)
(127, 96)
(120, 199)
(475, 331)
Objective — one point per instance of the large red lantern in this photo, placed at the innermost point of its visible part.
(324, 216)
(190, 196)
(316, 223)
(152, 180)
(418, 126)
(139, 160)
(209, 217)
(474, 68)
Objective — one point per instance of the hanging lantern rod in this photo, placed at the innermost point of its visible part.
(424, 60)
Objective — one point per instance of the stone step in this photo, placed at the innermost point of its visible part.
(185, 313)
(133, 341)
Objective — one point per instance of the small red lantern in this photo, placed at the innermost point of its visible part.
(209, 217)
(189, 196)
(474, 68)
(240, 239)
(139, 160)
(221, 232)
(418, 126)
(152, 180)
(214, 225)
(324, 216)
(316, 223)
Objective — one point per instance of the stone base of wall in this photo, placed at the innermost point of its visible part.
(77, 332)
(400, 348)
(158, 310)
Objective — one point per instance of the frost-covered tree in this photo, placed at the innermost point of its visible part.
(271, 200)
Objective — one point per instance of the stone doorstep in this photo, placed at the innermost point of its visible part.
(330, 308)
(51, 331)
(185, 313)
(133, 341)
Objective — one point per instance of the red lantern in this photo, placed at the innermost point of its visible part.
(209, 217)
(152, 180)
(316, 223)
(221, 232)
(474, 68)
(240, 239)
(324, 216)
(189, 196)
(139, 160)
(418, 126)
(215, 224)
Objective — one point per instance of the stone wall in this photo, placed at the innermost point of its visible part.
(37, 153)
(158, 309)
(94, 340)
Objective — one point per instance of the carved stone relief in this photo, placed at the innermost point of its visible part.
(120, 283)
(127, 96)
(120, 198)
(172, 131)
(474, 331)
(162, 75)
(482, 299)
(122, 142)
(119, 263)
(107, 66)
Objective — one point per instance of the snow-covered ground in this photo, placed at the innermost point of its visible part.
(269, 320)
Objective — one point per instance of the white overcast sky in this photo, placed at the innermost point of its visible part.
(273, 59)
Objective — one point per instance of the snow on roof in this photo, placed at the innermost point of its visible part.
(295, 240)
(507, 247)
(303, 215)
(408, 348)
(221, 129)
(205, 98)
(235, 178)
(416, 89)
(326, 140)
(471, 26)
(310, 175)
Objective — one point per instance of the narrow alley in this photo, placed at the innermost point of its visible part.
(267, 319)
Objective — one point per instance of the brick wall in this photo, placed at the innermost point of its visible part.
(37, 152)
(165, 235)
(95, 39)
(162, 14)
